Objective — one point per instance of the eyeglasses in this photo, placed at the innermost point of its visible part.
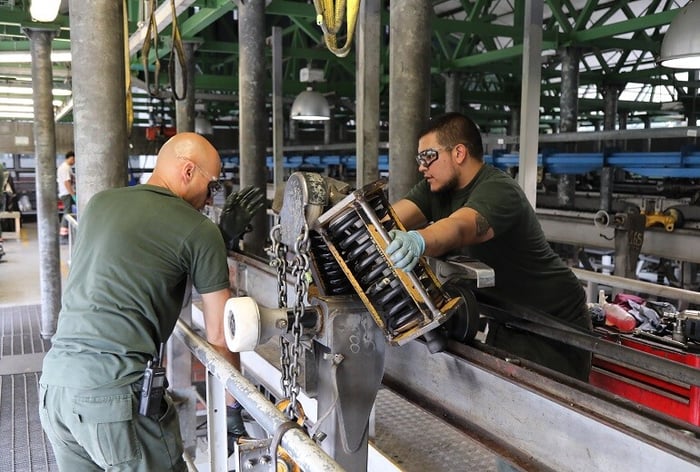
(214, 186)
(427, 156)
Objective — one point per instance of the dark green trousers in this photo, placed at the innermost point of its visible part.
(100, 429)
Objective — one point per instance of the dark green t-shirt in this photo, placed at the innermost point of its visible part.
(527, 270)
(134, 251)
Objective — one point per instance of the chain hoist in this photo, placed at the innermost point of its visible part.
(290, 353)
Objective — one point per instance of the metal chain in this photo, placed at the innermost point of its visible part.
(278, 259)
(290, 355)
(300, 269)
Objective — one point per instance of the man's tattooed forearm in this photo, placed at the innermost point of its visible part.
(482, 225)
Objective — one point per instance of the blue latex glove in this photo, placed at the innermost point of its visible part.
(405, 249)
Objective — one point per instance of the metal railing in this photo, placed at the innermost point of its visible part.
(594, 279)
(72, 232)
(300, 447)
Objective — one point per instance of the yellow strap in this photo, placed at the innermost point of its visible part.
(177, 49)
(330, 15)
(127, 73)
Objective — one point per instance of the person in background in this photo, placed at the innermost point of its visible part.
(66, 190)
(464, 206)
(136, 249)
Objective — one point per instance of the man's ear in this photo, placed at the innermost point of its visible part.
(187, 172)
(461, 153)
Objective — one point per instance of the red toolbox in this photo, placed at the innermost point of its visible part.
(673, 398)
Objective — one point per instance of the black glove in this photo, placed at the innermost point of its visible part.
(235, 427)
(239, 209)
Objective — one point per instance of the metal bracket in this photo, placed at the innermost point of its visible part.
(464, 266)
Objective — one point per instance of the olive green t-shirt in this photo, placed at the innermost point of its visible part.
(527, 270)
(134, 251)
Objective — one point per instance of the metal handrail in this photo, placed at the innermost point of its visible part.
(72, 231)
(624, 283)
(300, 447)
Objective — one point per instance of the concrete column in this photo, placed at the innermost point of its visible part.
(277, 108)
(689, 105)
(293, 131)
(46, 188)
(367, 57)
(606, 188)
(611, 93)
(514, 128)
(184, 84)
(253, 117)
(566, 186)
(568, 119)
(409, 89)
(453, 83)
(99, 97)
(646, 119)
(328, 131)
(622, 117)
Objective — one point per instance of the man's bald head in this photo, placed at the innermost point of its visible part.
(180, 161)
(188, 146)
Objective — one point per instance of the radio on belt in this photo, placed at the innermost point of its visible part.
(153, 387)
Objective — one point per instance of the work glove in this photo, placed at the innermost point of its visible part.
(405, 249)
(235, 427)
(239, 209)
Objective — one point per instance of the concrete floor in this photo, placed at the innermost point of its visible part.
(24, 446)
(19, 268)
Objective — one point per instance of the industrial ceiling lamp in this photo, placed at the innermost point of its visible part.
(680, 48)
(44, 11)
(311, 106)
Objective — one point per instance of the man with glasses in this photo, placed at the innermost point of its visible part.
(135, 251)
(463, 206)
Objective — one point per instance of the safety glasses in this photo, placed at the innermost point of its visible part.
(213, 188)
(427, 156)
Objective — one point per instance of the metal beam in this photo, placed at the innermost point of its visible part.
(164, 18)
(579, 230)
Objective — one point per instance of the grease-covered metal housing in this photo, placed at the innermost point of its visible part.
(405, 305)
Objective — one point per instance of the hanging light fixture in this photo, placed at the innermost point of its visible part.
(310, 106)
(680, 48)
(44, 11)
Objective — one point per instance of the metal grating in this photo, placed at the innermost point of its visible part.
(23, 445)
(418, 441)
(20, 328)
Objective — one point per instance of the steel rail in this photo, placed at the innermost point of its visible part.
(534, 321)
(300, 447)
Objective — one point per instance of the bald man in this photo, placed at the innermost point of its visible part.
(135, 250)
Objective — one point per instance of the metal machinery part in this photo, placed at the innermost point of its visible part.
(404, 305)
(328, 343)
(343, 358)
(340, 240)
(250, 325)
